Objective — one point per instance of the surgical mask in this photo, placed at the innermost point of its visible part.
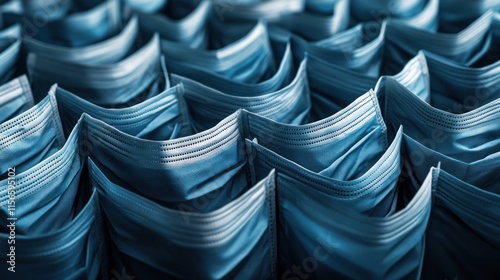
(109, 50)
(15, 98)
(161, 117)
(467, 137)
(135, 77)
(46, 10)
(333, 87)
(174, 173)
(246, 60)
(74, 250)
(10, 55)
(313, 241)
(325, 23)
(207, 106)
(190, 30)
(230, 241)
(96, 22)
(492, 45)
(459, 89)
(358, 49)
(417, 13)
(255, 9)
(466, 47)
(46, 192)
(455, 15)
(277, 81)
(146, 6)
(462, 238)
(31, 137)
(357, 132)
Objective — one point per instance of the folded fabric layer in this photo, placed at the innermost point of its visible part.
(246, 60)
(455, 15)
(357, 132)
(333, 88)
(128, 81)
(10, 58)
(465, 47)
(31, 137)
(109, 50)
(45, 195)
(358, 49)
(150, 6)
(469, 136)
(349, 245)
(93, 21)
(207, 106)
(234, 241)
(188, 30)
(15, 98)
(161, 117)
(277, 81)
(174, 173)
(73, 251)
(417, 13)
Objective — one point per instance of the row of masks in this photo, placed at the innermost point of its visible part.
(106, 47)
(252, 187)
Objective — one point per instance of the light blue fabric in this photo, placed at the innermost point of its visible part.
(93, 22)
(246, 60)
(146, 6)
(161, 117)
(10, 57)
(357, 132)
(107, 51)
(31, 137)
(455, 15)
(326, 235)
(128, 81)
(465, 47)
(177, 172)
(282, 77)
(234, 241)
(290, 104)
(73, 251)
(15, 98)
(190, 30)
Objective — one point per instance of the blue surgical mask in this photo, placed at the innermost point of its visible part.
(207, 106)
(236, 240)
(129, 81)
(189, 31)
(174, 173)
(15, 98)
(75, 250)
(359, 49)
(325, 23)
(94, 22)
(46, 10)
(455, 15)
(246, 60)
(249, 10)
(277, 81)
(161, 117)
(333, 87)
(417, 13)
(463, 236)
(46, 192)
(357, 132)
(469, 136)
(146, 6)
(110, 50)
(10, 57)
(31, 137)
(343, 241)
(466, 47)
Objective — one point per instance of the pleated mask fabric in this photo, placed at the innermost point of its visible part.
(15, 98)
(226, 243)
